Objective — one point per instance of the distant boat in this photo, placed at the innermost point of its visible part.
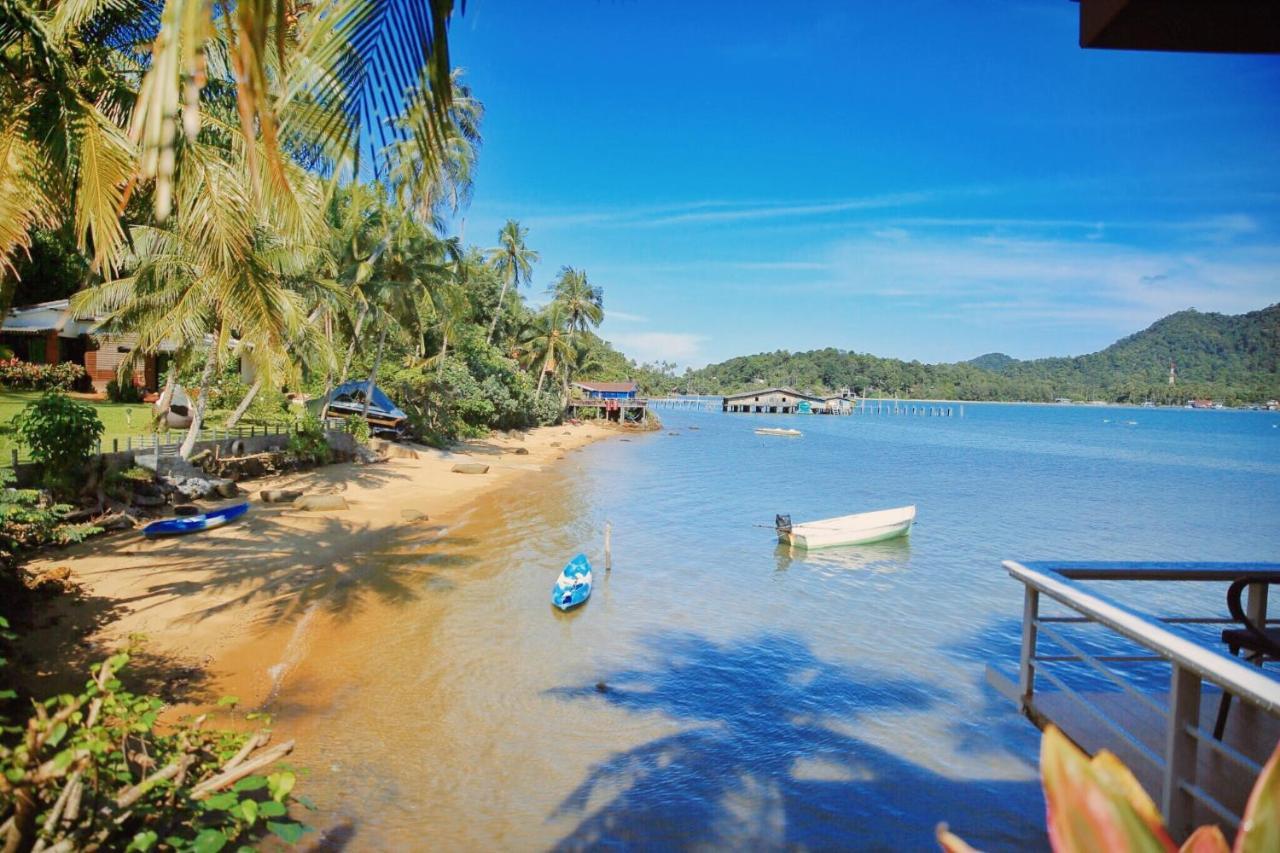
(775, 431)
(195, 523)
(574, 584)
(858, 529)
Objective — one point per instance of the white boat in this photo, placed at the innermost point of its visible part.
(858, 529)
(776, 431)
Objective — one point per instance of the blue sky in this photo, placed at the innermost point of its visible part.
(929, 180)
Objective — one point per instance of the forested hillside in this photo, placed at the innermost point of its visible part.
(1234, 359)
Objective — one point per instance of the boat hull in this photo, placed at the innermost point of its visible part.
(573, 587)
(785, 433)
(194, 523)
(861, 529)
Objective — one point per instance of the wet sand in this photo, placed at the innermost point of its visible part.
(216, 611)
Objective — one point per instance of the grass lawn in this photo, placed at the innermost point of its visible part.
(122, 420)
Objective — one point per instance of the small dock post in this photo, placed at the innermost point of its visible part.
(608, 546)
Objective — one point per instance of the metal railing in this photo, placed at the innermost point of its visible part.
(1165, 640)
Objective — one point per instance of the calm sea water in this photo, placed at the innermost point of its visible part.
(718, 691)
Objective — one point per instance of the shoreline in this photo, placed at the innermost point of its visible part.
(211, 608)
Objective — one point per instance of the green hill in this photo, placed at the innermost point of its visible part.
(1234, 359)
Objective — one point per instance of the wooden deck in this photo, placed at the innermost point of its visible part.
(1250, 731)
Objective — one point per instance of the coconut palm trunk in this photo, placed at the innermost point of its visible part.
(245, 403)
(373, 374)
(346, 363)
(197, 417)
(493, 324)
(162, 405)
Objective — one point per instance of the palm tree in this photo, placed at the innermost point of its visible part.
(546, 344)
(583, 303)
(358, 56)
(68, 77)
(513, 262)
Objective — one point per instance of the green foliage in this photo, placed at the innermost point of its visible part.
(359, 429)
(28, 520)
(547, 409)
(123, 392)
(148, 785)
(307, 442)
(1231, 359)
(60, 433)
(26, 375)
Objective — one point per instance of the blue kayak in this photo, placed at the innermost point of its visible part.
(195, 523)
(574, 584)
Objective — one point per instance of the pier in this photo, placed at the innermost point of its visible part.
(787, 401)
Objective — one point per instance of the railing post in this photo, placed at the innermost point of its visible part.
(1256, 605)
(1180, 751)
(1026, 666)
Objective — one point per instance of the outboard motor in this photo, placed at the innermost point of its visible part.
(783, 523)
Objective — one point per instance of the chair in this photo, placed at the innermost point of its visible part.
(1259, 642)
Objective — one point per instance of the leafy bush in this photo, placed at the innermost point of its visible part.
(95, 771)
(308, 443)
(548, 409)
(359, 429)
(1097, 804)
(28, 520)
(123, 392)
(60, 433)
(25, 375)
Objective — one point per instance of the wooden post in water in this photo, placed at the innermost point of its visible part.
(608, 546)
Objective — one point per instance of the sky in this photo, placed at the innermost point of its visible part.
(918, 180)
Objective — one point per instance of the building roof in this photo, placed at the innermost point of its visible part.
(789, 391)
(43, 317)
(607, 387)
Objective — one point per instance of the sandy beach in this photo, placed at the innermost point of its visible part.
(209, 609)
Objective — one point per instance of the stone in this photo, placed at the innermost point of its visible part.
(555, 444)
(521, 451)
(279, 496)
(226, 488)
(392, 450)
(147, 500)
(322, 503)
(413, 515)
(470, 468)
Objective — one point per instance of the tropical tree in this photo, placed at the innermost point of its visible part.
(68, 77)
(583, 303)
(546, 345)
(513, 262)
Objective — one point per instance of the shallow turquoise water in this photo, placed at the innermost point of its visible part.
(755, 699)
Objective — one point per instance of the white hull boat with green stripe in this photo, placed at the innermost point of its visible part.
(858, 529)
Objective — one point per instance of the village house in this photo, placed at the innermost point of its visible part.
(781, 401)
(49, 333)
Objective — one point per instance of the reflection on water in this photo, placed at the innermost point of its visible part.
(718, 690)
(891, 555)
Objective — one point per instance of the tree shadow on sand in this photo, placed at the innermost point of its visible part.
(766, 761)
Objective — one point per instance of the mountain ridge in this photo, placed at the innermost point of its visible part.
(1234, 358)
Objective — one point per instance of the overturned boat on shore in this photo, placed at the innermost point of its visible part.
(857, 529)
(384, 416)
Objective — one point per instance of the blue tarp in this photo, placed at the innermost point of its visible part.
(350, 394)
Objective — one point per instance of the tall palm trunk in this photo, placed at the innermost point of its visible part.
(543, 376)
(373, 374)
(197, 417)
(162, 405)
(245, 403)
(444, 350)
(346, 362)
(493, 324)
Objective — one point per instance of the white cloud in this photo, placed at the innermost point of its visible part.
(1054, 281)
(680, 347)
(624, 317)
